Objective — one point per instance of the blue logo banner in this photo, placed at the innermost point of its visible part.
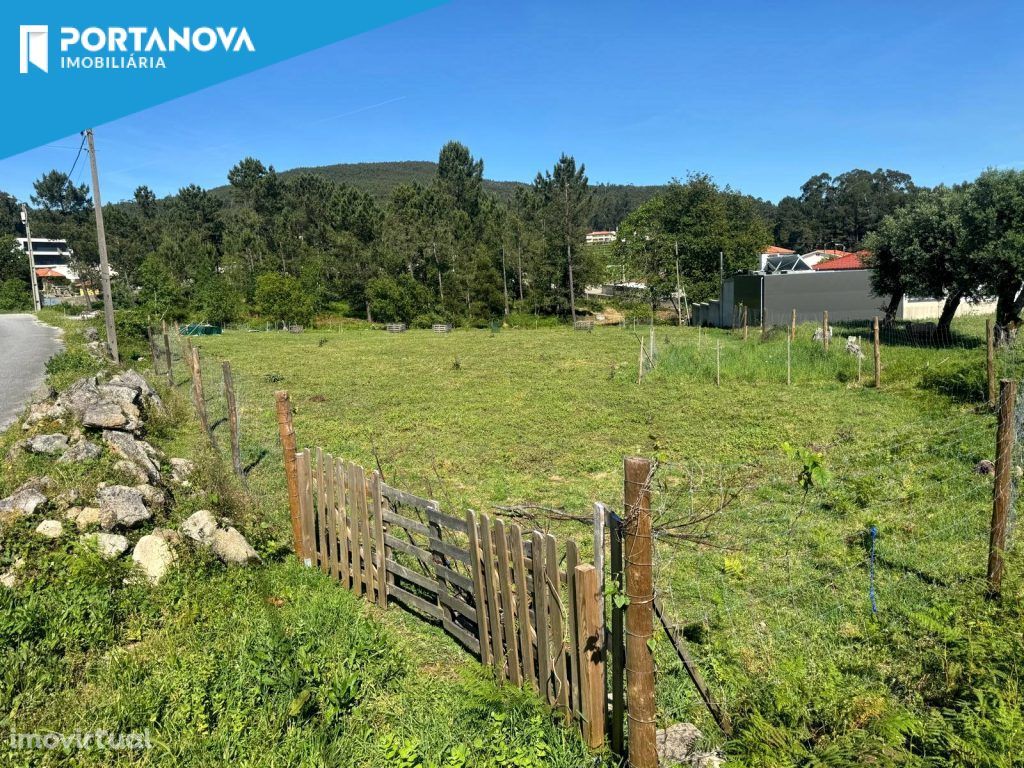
(68, 66)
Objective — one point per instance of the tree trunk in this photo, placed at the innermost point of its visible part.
(948, 313)
(894, 305)
(519, 252)
(572, 290)
(1008, 309)
(504, 278)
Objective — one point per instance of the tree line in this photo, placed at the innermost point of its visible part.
(286, 246)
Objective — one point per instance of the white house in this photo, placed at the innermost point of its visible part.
(601, 236)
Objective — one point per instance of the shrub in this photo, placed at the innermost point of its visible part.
(281, 298)
(15, 296)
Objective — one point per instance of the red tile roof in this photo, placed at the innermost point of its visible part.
(47, 272)
(842, 260)
(774, 249)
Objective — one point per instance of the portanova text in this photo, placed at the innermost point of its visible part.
(142, 47)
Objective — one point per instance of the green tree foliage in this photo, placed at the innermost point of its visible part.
(839, 212)
(563, 212)
(993, 231)
(282, 299)
(918, 251)
(707, 224)
(55, 192)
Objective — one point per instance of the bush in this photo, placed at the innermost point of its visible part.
(396, 300)
(15, 296)
(966, 383)
(281, 298)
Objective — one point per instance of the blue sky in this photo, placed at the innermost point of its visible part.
(759, 95)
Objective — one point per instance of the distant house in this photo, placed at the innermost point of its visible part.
(825, 254)
(601, 236)
(844, 261)
(58, 281)
(837, 281)
(774, 251)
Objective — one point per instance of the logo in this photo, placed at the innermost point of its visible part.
(127, 47)
(35, 41)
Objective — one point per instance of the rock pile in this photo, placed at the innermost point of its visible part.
(67, 427)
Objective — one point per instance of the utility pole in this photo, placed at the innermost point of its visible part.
(31, 258)
(101, 239)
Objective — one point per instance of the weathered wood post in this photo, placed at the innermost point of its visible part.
(590, 641)
(990, 360)
(600, 516)
(792, 327)
(198, 397)
(789, 362)
(824, 329)
(878, 355)
(167, 355)
(638, 554)
(718, 362)
(232, 407)
(286, 430)
(618, 649)
(1001, 490)
(860, 360)
(152, 349)
(745, 328)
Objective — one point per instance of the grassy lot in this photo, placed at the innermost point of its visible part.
(263, 666)
(775, 599)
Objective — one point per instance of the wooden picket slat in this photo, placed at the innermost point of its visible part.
(404, 522)
(557, 628)
(433, 610)
(357, 535)
(478, 586)
(508, 612)
(379, 549)
(330, 518)
(571, 561)
(493, 620)
(365, 535)
(344, 532)
(403, 498)
(437, 560)
(540, 604)
(306, 478)
(321, 511)
(417, 578)
(523, 607)
(422, 555)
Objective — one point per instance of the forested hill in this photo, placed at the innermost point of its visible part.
(611, 201)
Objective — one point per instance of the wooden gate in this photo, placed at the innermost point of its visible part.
(498, 590)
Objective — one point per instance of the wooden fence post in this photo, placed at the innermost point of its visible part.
(600, 516)
(789, 362)
(745, 328)
(198, 397)
(824, 329)
(590, 641)
(286, 430)
(792, 327)
(878, 355)
(618, 650)
(990, 361)
(1001, 490)
(638, 550)
(152, 349)
(232, 406)
(167, 355)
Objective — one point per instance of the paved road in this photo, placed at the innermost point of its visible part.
(25, 346)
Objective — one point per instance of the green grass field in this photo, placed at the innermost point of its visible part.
(775, 599)
(280, 666)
